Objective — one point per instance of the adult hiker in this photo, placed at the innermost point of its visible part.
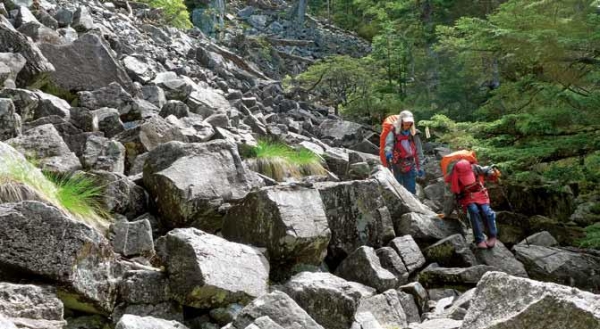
(465, 181)
(404, 152)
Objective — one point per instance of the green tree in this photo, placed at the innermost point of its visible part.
(175, 12)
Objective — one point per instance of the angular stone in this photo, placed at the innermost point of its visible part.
(502, 259)
(206, 101)
(175, 87)
(434, 276)
(409, 252)
(342, 133)
(452, 251)
(47, 147)
(36, 67)
(504, 301)
(85, 64)
(438, 324)
(356, 215)
(419, 297)
(330, 300)
(280, 308)
(386, 308)
(40, 33)
(391, 261)
(38, 239)
(426, 229)
(364, 267)
(544, 239)
(289, 222)
(192, 197)
(176, 108)
(120, 194)
(409, 306)
(144, 287)
(193, 128)
(206, 271)
(154, 94)
(103, 154)
(10, 121)
(30, 306)
(129, 321)
(132, 238)
(559, 266)
(13, 64)
(108, 121)
(138, 69)
(82, 20)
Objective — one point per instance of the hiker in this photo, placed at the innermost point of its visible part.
(465, 180)
(403, 151)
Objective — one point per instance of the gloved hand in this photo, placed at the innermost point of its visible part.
(421, 173)
(389, 157)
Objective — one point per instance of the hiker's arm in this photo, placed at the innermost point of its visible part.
(389, 142)
(419, 147)
(480, 170)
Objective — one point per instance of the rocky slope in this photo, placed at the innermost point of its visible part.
(156, 116)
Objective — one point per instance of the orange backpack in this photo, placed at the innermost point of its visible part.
(455, 156)
(386, 127)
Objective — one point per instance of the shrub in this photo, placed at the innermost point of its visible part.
(174, 11)
(592, 236)
(278, 160)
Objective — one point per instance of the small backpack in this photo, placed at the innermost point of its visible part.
(386, 127)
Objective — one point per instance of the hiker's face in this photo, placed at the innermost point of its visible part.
(406, 125)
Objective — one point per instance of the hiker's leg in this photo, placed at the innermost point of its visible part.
(475, 220)
(398, 176)
(489, 216)
(410, 180)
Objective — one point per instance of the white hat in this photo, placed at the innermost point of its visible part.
(407, 116)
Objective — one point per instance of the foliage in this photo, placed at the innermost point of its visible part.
(175, 12)
(592, 237)
(77, 195)
(278, 160)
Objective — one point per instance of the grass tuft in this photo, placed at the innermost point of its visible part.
(592, 237)
(278, 160)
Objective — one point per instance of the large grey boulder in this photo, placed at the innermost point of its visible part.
(502, 259)
(120, 195)
(10, 121)
(426, 229)
(289, 222)
(504, 301)
(452, 251)
(206, 101)
(409, 252)
(25, 101)
(108, 120)
(85, 64)
(330, 300)
(357, 216)
(338, 161)
(363, 266)
(46, 146)
(38, 239)
(206, 271)
(129, 321)
(280, 308)
(144, 287)
(12, 64)
(544, 239)
(559, 266)
(409, 306)
(464, 278)
(30, 306)
(386, 308)
(341, 133)
(391, 261)
(193, 128)
(147, 136)
(101, 153)
(398, 199)
(132, 238)
(170, 311)
(190, 181)
(437, 324)
(36, 67)
(112, 96)
(264, 322)
(140, 69)
(82, 19)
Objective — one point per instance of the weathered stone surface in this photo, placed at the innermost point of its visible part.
(154, 94)
(502, 259)
(108, 121)
(187, 197)
(174, 86)
(391, 261)
(363, 266)
(437, 324)
(419, 297)
(386, 308)
(264, 322)
(544, 239)
(434, 276)
(176, 108)
(206, 101)
(120, 195)
(30, 306)
(38, 239)
(460, 306)
(426, 228)
(365, 320)
(409, 252)
(86, 57)
(10, 121)
(112, 96)
(51, 105)
(44, 144)
(13, 64)
(452, 251)
(144, 287)
(560, 266)
(330, 300)
(82, 20)
(342, 133)
(138, 69)
(25, 101)
(147, 136)
(206, 271)
(409, 306)
(504, 301)
(356, 215)
(291, 223)
(398, 199)
(132, 238)
(280, 308)
(40, 33)
(103, 154)
(337, 161)
(165, 310)
(36, 67)
(193, 128)
(129, 321)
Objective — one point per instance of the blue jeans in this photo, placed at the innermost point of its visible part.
(479, 213)
(407, 179)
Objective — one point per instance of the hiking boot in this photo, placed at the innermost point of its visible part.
(491, 242)
(482, 245)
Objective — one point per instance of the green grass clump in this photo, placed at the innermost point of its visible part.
(76, 195)
(278, 160)
(592, 237)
